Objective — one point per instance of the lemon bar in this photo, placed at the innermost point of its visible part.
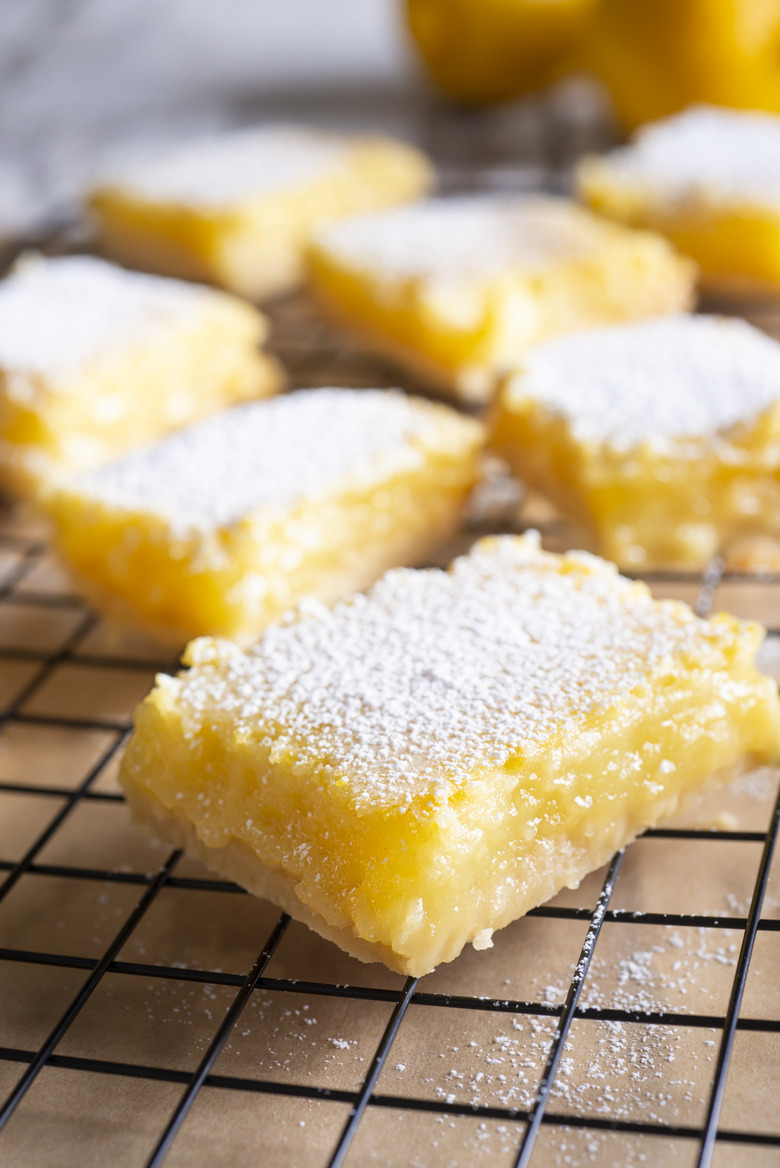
(95, 360)
(419, 766)
(708, 179)
(222, 527)
(659, 438)
(459, 289)
(237, 209)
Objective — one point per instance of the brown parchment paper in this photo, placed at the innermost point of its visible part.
(71, 687)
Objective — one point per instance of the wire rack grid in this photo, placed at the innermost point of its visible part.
(150, 1013)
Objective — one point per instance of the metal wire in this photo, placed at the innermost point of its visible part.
(313, 355)
(56, 1035)
(249, 984)
(570, 1005)
(737, 991)
(528, 1121)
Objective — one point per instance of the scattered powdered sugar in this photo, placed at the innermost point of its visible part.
(706, 152)
(464, 238)
(271, 454)
(241, 164)
(405, 691)
(56, 314)
(626, 1069)
(673, 377)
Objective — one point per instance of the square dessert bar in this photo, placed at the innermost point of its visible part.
(237, 209)
(419, 766)
(659, 438)
(459, 289)
(708, 179)
(95, 360)
(223, 526)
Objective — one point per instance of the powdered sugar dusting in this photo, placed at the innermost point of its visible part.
(271, 454)
(670, 378)
(225, 169)
(57, 314)
(432, 675)
(464, 238)
(706, 153)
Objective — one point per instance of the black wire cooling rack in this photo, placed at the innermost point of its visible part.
(40, 681)
(153, 1014)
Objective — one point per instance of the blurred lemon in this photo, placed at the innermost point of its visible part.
(657, 56)
(490, 50)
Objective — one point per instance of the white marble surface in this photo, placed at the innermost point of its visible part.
(80, 79)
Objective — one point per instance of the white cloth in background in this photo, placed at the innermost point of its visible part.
(81, 79)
